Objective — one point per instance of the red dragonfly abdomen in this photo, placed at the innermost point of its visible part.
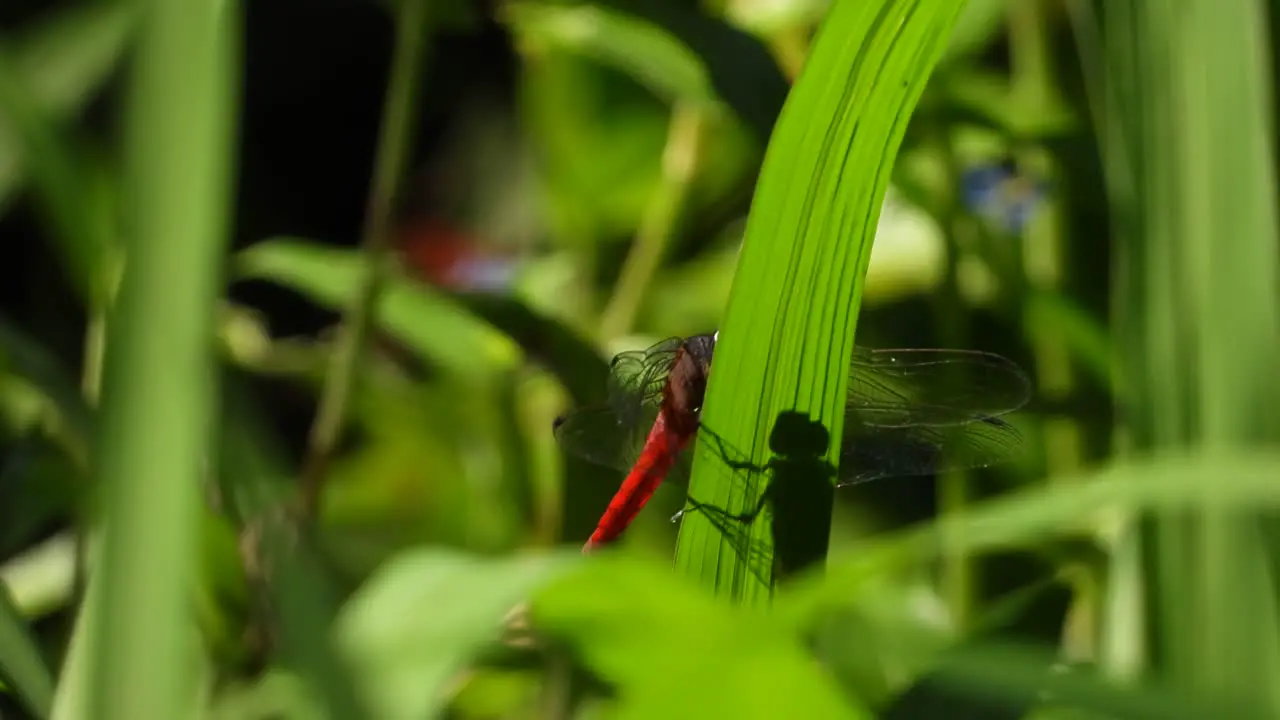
(661, 450)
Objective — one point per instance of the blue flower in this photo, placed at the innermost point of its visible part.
(1000, 194)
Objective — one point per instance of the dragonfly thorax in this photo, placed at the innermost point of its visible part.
(685, 390)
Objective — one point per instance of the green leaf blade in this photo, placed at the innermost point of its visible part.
(787, 338)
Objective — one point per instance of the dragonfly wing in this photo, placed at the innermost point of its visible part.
(605, 436)
(873, 453)
(613, 434)
(901, 388)
(637, 377)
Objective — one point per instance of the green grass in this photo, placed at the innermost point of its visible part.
(1134, 541)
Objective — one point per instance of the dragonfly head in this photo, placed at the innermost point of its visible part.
(701, 348)
(795, 434)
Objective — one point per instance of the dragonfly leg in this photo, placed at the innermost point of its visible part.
(735, 528)
(747, 517)
(731, 459)
(735, 461)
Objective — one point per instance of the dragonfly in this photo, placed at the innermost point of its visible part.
(905, 415)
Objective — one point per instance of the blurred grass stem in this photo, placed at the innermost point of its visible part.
(1033, 74)
(393, 150)
(957, 572)
(679, 166)
(159, 384)
(1032, 77)
(95, 346)
(1196, 317)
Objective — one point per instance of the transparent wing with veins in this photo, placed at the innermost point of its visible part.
(918, 412)
(613, 433)
(911, 388)
(908, 412)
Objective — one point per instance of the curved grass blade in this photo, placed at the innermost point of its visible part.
(787, 338)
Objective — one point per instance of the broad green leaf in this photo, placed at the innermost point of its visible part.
(422, 617)
(21, 666)
(787, 338)
(435, 326)
(666, 646)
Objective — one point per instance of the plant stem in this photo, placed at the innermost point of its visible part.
(139, 658)
(95, 344)
(957, 578)
(1032, 70)
(679, 165)
(393, 149)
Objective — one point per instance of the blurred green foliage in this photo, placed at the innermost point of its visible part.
(1125, 255)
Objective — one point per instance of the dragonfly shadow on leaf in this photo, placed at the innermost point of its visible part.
(795, 499)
